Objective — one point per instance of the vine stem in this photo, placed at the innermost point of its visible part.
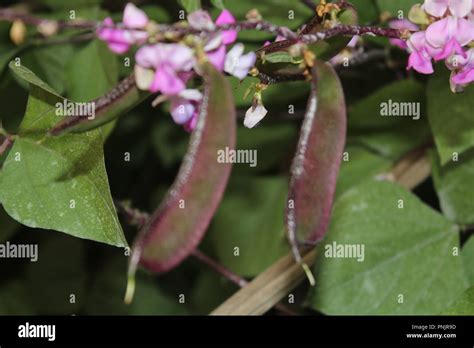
(6, 143)
(9, 15)
(351, 30)
(218, 268)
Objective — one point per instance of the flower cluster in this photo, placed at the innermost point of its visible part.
(167, 67)
(441, 30)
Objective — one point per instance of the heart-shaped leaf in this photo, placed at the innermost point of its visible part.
(316, 164)
(57, 183)
(386, 252)
(179, 223)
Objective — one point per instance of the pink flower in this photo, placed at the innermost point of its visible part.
(115, 38)
(185, 105)
(458, 8)
(237, 63)
(228, 36)
(401, 24)
(449, 35)
(278, 38)
(215, 48)
(134, 18)
(119, 39)
(168, 61)
(420, 59)
(201, 20)
(217, 56)
(465, 74)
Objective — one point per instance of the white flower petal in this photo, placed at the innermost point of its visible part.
(191, 94)
(254, 115)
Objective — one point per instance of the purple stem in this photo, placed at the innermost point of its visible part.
(10, 15)
(6, 144)
(350, 30)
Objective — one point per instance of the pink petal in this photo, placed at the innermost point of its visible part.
(464, 77)
(191, 124)
(420, 63)
(463, 31)
(436, 8)
(148, 57)
(403, 24)
(200, 20)
(217, 57)
(181, 110)
(103, 32)
(133, 17)
(115, 38)
(438, 33)
(460, 8)
(180, 57)
(399, 43)
(417, 41)
(118, 48)
(167, 81)
(449, 49)
(246, 62)
(228, 36)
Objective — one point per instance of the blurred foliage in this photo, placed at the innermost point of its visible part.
(408, 244)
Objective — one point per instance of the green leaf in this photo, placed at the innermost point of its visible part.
(281, 57)
(180, 222)
(218, 3)
(57, 183)
(367, 11)
(317, 160)
(454, 185)
(190, 5)
(394, 7)
(464, 305)
(54, 286)
(407, 251)
(250, 218)
(468, 258)
(6, 55)
(359, 165)
(49, 64)
(450, 116)
(390, 136)
(94, 79)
